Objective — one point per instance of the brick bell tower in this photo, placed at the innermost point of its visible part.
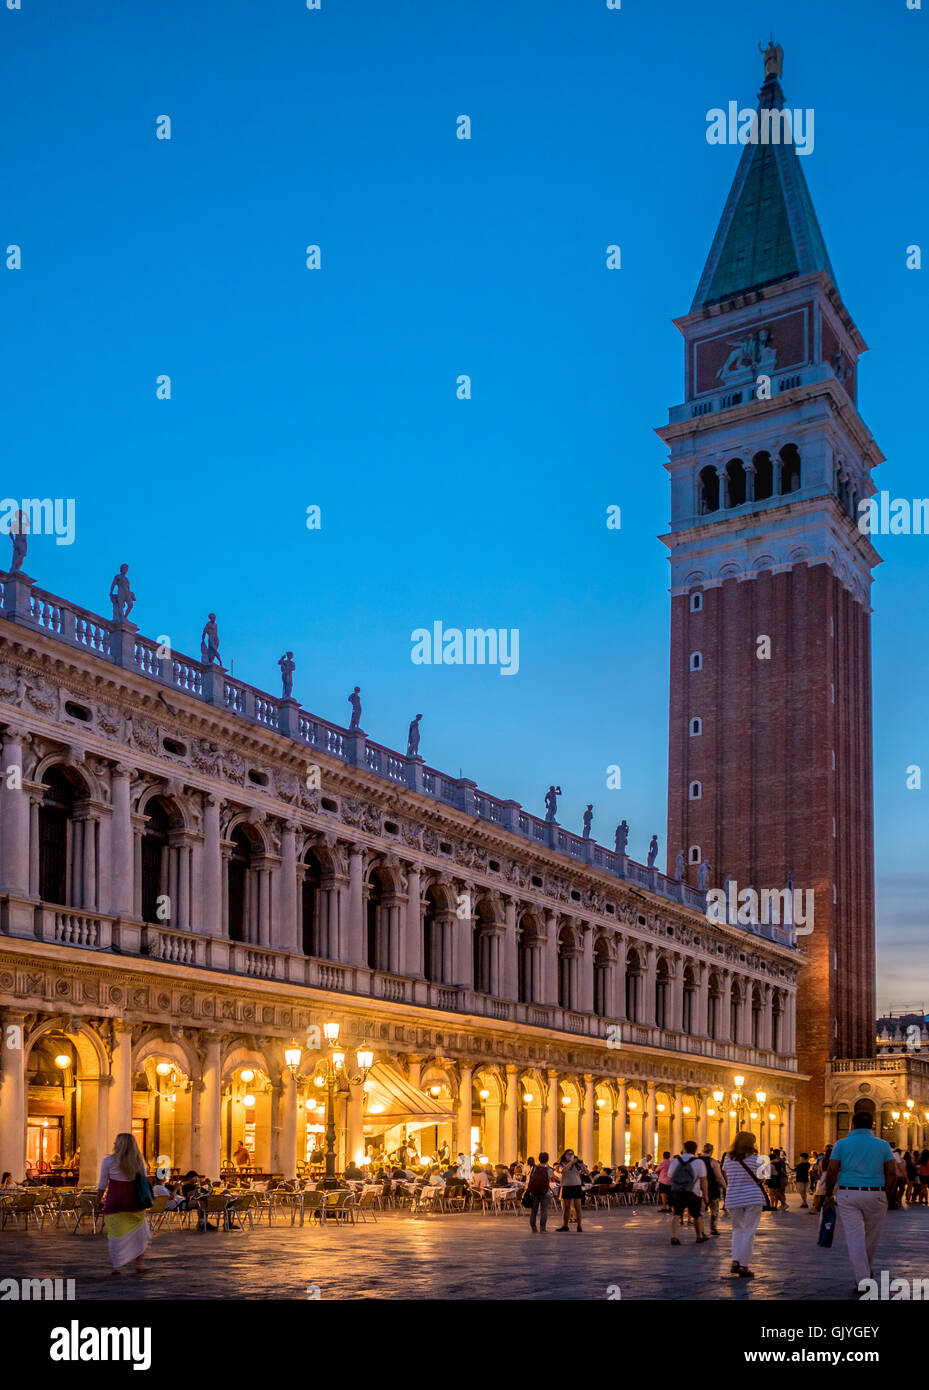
(770, 715)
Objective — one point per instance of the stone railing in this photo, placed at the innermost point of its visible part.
(171, 946)
(915, 1062)
(25, 604)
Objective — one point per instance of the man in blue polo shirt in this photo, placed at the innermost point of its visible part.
(862, 1167)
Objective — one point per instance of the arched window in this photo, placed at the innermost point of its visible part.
(55, 817)
(633, 986)
(481, 947)
(432, 949)
(790, 469)
(696, 791)
(696, 727)
(662, 994)
(373, 915)
(603, 976)
(712, 1007)
(696, 661)
(155, 861)
(694, 854)
(764, 475)
(696, 602)
(240, 859)
(735, 482)
(567, 969)
(689, 1010)
(312, 876)
(709, 490)
(735, 1006)
(757, 1009)
(777, 1018)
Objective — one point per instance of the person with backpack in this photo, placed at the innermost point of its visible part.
(688, 1183)
(572, 1192)
(715, 1186)
(746, 1199)
(538, 1187)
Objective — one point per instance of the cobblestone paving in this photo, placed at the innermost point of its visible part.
(465, 1256)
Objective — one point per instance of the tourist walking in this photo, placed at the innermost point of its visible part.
(745, 1200)
(864, 1170)
(538, 1186)
(688, 1184)
(126, 1194)
(802, 1175)
(715, 1186)
(572, 1192)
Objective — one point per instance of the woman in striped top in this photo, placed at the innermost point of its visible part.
(745, 1199)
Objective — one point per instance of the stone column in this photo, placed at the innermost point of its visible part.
(587, 1122)
(701, 1003)
(213, 921)
(120, 1097)
(791, 1139)
(90, 1122)
(14, 810)
(463, 1116)
(288, 1140)
(585, 989)
(355, 1138)
(285, 926)
(648, 1121)
(723, 1031)
(647, 1015)
(676, 1011)
(510, 986)
(550, 1118)
(700, 1127)
(13, 1109)
(413, 929)
(211, 1109)
(355, 933)
(677, 1119)
(619, 980)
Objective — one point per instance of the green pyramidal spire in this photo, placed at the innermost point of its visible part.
(768, 231)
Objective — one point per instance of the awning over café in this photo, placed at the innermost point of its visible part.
(391, 1100)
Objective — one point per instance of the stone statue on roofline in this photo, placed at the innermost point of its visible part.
(355, 701)
(773, 59)
(288, 666)
(622, 837)
(679, 865)
(703, 876)
(19, 527)
(412, 738)
(551, 802)
(209, 642)
(588, 819)
(653, 852)
(121, 596)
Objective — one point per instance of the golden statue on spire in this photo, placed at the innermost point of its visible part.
(773, 59)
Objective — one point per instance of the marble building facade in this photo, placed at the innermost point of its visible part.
(195, 875)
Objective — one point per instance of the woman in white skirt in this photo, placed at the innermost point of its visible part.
(743, 1167)
(124, 1216)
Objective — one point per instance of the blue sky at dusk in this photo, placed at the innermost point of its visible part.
(439, 257)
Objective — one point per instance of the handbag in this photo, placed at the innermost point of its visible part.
(143, 1192)
(527, 1199)
(761, 1186)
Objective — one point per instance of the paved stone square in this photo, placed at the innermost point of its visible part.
(471, 1256)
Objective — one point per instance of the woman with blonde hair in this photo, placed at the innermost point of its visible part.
(746, 1199)
(128, 1195)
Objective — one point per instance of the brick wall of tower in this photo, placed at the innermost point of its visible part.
(770, 795)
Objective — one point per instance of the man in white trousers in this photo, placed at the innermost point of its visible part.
(862, 1168)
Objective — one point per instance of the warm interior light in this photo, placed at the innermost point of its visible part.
(248, 1102)
(482, 1158)
(566, 1100)
(601, 1104)
(633, 1105)
(732, 1114)
(364, 1058)
(718, 1097)
(318, 1081)
(162, 1068)
(331, 1031)
(772, 1115)
(895, 1114)
(686, 1109)
(45, 1124)
(434, 1090)
(528, 1097)
(292, 1056)
(376, 1109)
(761, 1097)
(661, 1109)
(484, 1095)
(62, 1061)
(711, 1113)
(247, 1075)
(312, 1104)
(739, 1082)
(338, 1059)
(909, 1105)
(754, 1115)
